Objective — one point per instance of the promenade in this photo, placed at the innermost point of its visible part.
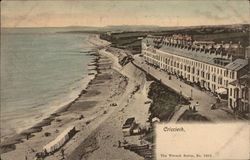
(204, 99)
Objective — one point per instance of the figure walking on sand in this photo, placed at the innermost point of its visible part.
(196, 105)
(62, 151)
(119, 144)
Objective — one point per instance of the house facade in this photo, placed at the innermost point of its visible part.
(211, 69)
(238, 98)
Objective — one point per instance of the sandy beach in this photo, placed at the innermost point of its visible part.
(98, 123)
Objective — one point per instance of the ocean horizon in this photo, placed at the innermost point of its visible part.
(41, 71)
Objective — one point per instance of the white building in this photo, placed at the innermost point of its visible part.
(210, 69)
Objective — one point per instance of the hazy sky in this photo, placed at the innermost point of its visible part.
(101, 13)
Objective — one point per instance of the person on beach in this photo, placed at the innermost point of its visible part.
(194, 109)
(62, 151)
(119, 144)
(196, 105)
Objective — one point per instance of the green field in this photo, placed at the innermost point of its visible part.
(131, 40)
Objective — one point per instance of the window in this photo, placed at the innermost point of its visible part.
(202, 74)
(214, 78)
(233, 75)
(226, 83)
(246, 94)
(230, 102)
(236, 93)
(220, 80)
(243, 93)
(193, 70)
(208, 76)
(225, 73)
(230, 92)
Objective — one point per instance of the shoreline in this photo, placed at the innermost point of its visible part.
(97, 121)
(8, 143)
(113, 83)
(52, 109)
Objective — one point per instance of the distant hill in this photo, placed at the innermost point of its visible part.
(121, 28)
(152, 27)
(135, 27)
(143, 28)
(139, 28)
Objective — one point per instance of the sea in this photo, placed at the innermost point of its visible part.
(42, 69)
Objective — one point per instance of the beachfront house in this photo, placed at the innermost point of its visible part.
(238, 99)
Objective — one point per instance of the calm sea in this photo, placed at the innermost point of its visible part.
(41, 70)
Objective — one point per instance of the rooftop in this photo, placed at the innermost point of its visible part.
(244, 80)
(189, 54)
(200, 56)
(237, 64)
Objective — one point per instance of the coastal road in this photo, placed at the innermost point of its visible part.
(204, 99)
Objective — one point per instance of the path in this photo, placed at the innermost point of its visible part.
(178, 114)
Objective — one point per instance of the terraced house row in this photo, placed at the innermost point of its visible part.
(211, 68)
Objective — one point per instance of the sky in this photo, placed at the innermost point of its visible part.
(42, 13)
